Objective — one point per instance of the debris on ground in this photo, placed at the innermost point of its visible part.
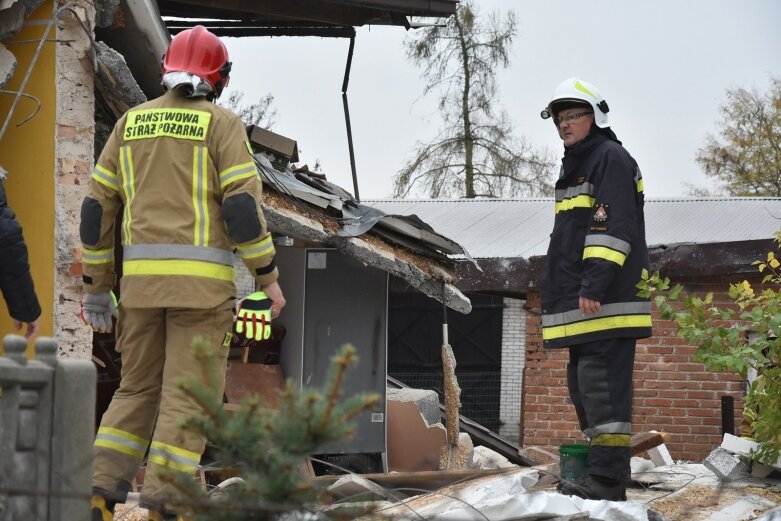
(726, 486)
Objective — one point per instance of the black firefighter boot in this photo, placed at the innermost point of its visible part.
(594, 487)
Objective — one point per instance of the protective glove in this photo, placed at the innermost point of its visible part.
(97, 310)
(253, 319)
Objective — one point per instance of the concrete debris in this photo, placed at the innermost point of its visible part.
(115, 82)
(459, 456)
(507, 496)
(452, 392)
(743, 447)
(414, 444)
(675, 477)
(12, 17)
(364, 252)
(538, 455)
(7, 65)
(742, 510)
(660, 456)
(760, 470)
(106, 12)
(771, 515)
(640, 465)
(485, 458)
(427, 401)
(725, 465)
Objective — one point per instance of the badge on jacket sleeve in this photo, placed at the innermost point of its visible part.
(600, 214)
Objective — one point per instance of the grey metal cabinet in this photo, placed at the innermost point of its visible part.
(337, 300)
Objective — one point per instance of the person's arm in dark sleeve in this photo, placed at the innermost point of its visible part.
(612, 227)
(16, 281)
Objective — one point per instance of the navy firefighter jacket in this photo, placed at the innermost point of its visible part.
(597, 249)
(16, 283)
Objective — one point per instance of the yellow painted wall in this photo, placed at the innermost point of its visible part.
(27, 153)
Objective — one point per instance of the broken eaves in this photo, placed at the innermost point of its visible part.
(301, 213)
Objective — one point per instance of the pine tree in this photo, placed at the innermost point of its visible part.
(266, 447)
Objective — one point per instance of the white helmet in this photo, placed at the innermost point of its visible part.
(578, 92)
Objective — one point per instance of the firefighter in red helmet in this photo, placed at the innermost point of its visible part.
(181, 170)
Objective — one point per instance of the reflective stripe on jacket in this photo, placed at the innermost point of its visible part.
(597, 249)
(171, 164)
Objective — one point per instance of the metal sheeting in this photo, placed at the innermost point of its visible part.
(355, 218)
(506, 228)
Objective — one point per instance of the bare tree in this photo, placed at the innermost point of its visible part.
(260, 114)
(475, 153)
(745, 159)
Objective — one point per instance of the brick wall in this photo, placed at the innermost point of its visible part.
(74, 156)
(672, 393)
(513, 361)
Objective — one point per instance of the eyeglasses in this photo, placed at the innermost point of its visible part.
(569, 118)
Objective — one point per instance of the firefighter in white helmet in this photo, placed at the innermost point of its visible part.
(589, 300)
(182, 171)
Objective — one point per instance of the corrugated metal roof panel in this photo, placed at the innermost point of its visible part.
(521, 227)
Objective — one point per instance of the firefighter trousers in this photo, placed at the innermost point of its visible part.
(146, 411)
(599, 378)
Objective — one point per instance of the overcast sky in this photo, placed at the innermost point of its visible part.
(662, 65)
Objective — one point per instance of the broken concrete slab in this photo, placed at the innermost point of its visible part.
(743, 447)
(413, 444)
(725, 465)
(106, 12)
(660, 456)
(459, 456)
(427, 401)
(771, 515)
(675, 477)
(115, 82)
(743, 509)
(640, 465)
(7, 65)
(485, 458)
(12, 17)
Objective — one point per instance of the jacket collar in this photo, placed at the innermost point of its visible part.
(584, 147)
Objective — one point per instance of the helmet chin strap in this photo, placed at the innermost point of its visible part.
(191, 85)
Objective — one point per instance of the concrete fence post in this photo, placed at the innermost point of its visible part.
(47, 409)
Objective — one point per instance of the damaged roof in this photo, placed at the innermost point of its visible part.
(306, 206)
(299, 18)
(508, 228)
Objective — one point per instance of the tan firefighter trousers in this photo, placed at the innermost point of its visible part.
(146, 410)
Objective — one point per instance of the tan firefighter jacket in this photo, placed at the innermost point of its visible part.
(182, 172)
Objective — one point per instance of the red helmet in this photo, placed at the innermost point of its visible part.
(201, 53)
